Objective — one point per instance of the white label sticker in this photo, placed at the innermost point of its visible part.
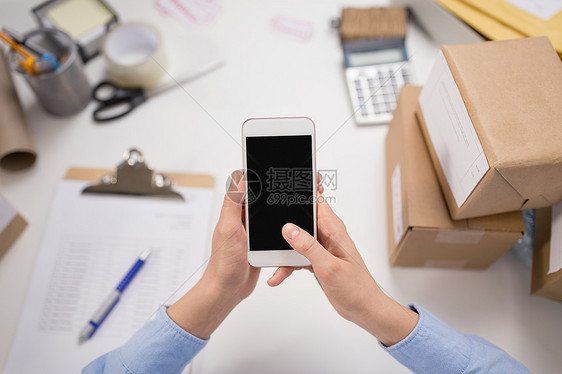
(451, 131)
(397, 204)
(544, 9)
(555, 263)
(7, 213)
(459, 236)
(452, 264)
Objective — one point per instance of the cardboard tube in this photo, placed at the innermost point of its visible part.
(17, 150)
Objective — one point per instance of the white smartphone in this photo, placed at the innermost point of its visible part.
(279, 159)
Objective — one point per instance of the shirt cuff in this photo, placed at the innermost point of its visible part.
(160, 346)
(432, 346)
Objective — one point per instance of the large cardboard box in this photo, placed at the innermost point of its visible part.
(544, 282)
(420, 229)
(491, 114)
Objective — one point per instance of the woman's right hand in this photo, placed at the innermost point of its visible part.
(345, 279)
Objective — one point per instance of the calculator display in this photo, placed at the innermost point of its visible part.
(375, 57)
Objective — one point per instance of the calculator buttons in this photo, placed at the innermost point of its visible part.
(375, 89)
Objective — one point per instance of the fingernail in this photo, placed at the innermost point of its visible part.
(291, 230)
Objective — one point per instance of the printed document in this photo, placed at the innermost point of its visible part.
(89, 244)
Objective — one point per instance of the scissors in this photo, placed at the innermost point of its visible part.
(116, 102)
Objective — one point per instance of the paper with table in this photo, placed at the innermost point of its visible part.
(90, 241)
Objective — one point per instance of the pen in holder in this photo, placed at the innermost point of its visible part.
(63, 88)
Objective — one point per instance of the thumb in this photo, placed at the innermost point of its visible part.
(234, 197)
(306, 245)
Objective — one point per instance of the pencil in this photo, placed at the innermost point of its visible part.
(27, 64)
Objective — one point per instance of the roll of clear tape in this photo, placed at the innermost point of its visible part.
(135, 55)
(17, 150)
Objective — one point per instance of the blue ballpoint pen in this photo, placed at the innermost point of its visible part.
(112, 299)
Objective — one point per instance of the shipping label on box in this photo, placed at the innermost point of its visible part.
(452, 132)
(397, 219)
(555, 262)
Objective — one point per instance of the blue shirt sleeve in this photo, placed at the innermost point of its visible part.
(435, 347)
(160, 346)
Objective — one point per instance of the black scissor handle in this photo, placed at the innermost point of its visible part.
(108, 92)
(108, 111)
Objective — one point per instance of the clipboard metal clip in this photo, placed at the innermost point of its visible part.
(134, 177)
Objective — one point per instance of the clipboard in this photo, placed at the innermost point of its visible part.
(133, 177)
(90, 239)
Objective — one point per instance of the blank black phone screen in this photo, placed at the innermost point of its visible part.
(280, 188)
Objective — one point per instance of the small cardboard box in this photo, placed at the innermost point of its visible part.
(543, 283)
(491, 115)
(11, 225)
(420, 229)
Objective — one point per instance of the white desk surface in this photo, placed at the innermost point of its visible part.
(291, 328)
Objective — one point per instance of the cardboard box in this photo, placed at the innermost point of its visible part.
(420, 229)
(542, 283)
(12, 225)
(491, 115)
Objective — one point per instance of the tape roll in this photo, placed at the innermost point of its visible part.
(135, 55)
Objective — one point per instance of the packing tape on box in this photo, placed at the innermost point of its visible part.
(135, 55)
(17, 150)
